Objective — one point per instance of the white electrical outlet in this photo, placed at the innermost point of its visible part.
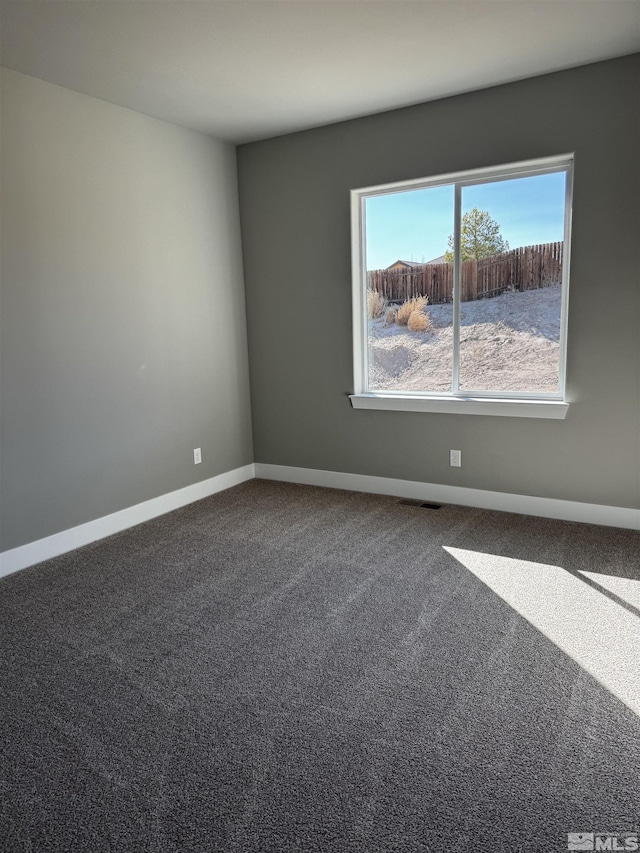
(197, 456)
(455, 458)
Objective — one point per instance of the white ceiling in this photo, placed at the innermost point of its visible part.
(249, 69)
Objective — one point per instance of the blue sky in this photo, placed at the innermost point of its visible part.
(415, 225)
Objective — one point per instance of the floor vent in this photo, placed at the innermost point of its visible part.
(421, 504)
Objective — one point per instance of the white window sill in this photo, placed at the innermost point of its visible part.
(463, 405)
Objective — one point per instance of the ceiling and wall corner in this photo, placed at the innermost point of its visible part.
(244, 70)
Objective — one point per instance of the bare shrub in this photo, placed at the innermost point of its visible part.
(418, 322)
(376, 304)
(407, 308)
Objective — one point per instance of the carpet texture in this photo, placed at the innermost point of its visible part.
(287, 668)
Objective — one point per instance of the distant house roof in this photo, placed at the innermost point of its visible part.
(410, 264)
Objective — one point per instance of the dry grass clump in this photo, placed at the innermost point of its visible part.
(376, 304)
(418, 322)
(412, 315)
(407, 309)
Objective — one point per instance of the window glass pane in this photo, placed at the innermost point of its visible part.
(512, 253)
(409, 290)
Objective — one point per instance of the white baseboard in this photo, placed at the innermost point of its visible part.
(67, 540)
(611, 516)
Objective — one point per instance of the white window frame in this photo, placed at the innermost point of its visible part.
(518, 404)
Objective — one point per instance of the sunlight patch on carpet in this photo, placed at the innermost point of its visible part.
(597, 633)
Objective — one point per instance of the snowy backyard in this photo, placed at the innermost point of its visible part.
(508, 343)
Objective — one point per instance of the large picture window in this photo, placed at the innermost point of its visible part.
(461, 291)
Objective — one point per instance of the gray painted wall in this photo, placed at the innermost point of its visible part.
(294, 194)
(123, 323)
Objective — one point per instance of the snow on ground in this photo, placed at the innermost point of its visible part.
(508, 343)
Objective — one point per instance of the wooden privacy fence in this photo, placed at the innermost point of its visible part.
(526, 268)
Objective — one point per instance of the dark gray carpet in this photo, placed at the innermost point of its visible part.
(286, 668)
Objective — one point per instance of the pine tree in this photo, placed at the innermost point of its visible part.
(479, 237)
